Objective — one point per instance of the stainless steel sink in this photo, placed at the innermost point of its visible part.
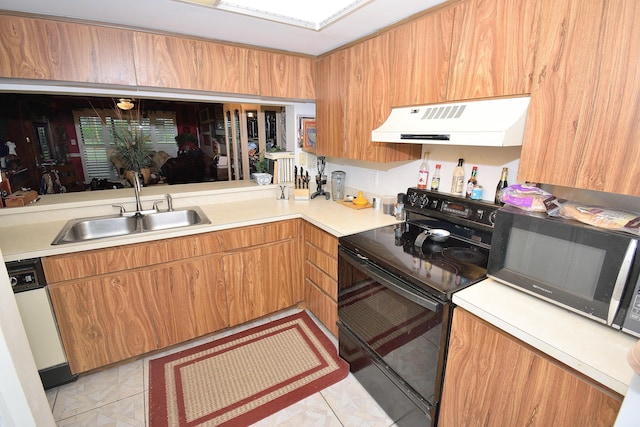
(172, 219)
(81, 230)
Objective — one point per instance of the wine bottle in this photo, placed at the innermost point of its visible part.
(501, 185)
(457, 182)
(472, 182)
(435, 181)
(423, 173)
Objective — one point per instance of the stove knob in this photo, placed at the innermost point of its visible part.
(423, 200)
(14, 281)
(492, 217)
(412, 198)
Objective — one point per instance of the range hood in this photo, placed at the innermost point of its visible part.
(482, 123)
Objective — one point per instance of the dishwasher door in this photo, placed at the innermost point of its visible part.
(42, 332)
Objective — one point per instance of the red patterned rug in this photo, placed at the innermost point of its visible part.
(243, 378)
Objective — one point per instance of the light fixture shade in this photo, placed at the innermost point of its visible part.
(125, 104)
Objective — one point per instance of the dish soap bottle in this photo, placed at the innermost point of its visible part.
(399, 208)
(423, 173)
(457, 183)
(473, 181)
(435, 181)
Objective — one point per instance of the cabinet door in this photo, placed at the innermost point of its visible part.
(420, 52)
(104, 320)
(260, 281)
(331, 105)
(188, 300)
(287, 76)
(53, 50)
(582, 130)
(493, 48)
(492, 378)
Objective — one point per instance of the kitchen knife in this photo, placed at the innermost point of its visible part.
(295, 176)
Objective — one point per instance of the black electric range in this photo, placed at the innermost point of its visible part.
(436, 268)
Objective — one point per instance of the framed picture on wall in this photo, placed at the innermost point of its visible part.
(308, 134)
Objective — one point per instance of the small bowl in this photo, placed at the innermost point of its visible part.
(439, 235)
(262, 178)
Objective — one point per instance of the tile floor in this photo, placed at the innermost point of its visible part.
(118, 397)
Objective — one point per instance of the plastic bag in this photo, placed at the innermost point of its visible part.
(527, 197)
(611, 219)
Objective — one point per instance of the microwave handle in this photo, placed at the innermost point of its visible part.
(621, 281)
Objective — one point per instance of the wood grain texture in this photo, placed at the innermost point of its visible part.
(328, 284)
(287, 76)
(582, 128)
(322, 306)
(420, 51)
(322, 260)
(188, 300)
(52, 50)
(493, 48)
(331, 104)
(104, 320)
(259, 281)
(73, 266)
(321, 239)
(568, 36)
(494, 379)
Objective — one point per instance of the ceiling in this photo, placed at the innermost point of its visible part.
(203, 21)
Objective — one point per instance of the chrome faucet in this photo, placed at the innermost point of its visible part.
(136, 189)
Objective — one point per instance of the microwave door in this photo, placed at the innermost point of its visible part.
(621, 281)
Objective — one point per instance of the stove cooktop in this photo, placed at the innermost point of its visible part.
(437, 268)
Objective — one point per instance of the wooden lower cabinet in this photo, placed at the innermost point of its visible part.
(493, 379)
(104, 320)
(260, 281)
(188, 300)
(117, 303)
(321, 275)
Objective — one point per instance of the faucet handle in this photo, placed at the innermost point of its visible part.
(155, 204)
(169, 202)
(122, 209)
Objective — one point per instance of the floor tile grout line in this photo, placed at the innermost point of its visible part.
(99, 406)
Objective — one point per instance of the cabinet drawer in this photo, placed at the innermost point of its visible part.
(101, 261)
(321, 239)
(255, 235)
(324, 262)
(321, 279)
(323, 307)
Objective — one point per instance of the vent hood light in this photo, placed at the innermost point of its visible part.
(481, 123)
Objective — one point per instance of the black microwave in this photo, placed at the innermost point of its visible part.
(589, 270)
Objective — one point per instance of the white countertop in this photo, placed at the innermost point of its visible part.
(27, 232)
(598, 351)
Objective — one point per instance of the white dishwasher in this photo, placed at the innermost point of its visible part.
(30, 289)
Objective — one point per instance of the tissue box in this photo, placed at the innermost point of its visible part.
(20, 198)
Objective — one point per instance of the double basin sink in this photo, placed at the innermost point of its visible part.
(81, 230)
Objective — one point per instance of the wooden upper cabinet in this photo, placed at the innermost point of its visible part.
(182, 63)
(228, 68)
(287, 76)
(52, 50)
(420, 52)
(493, 48)
(582, 130)
(331, 104)
(163, 61)
(353, 98)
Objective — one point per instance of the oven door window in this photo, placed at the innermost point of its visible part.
(403, 330)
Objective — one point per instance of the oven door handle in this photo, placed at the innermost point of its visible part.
(388, 281)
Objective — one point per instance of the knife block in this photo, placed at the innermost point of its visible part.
(301, 193)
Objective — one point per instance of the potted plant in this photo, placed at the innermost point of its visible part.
(131, 151)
